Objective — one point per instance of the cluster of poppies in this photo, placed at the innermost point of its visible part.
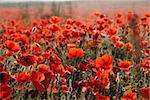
(67, 59)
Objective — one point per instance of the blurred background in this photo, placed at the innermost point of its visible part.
(78, 9)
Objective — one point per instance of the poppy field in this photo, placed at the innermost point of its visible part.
(60, 58)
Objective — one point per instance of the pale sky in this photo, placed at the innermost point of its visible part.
(33, 0)
(63, 0)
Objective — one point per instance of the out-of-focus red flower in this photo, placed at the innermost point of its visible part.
(37, 78)
(115, 38)
(75, 53)
(146, 65)
(130, 15)
(77, 23)
(147, 52)
(57, 68)
(147, 15)
(54, 19)
(129, 95)
(5, 92)
(101, 97)
(68, 26)
(23, 39)
(69, 21)
(119, 44)
(144, 43)
(53, 27)
(36, 49)
(125, 65)
(40, 59)
(119, 15)
(128, 46)
(4, 77)
(111, 31)
(119, 20)
(144, 21)
(22, 77)
(44, 22)
(145, 93)
(102, 16)
(12, 45)
(97, 14)
(43, 68)
(104, 63)
(27, 60)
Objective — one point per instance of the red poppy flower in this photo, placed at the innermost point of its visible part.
(130, 15)
(12, 45)
(53, 27)
(5, 92)
(4, 77)
(119, 44)
(145, 93)
(40, 59)
(57, 68)
(22, 39)
(22, 77)
(47, 73)
(27, 60)
(119, 20)
(43, 68)
(115, 38)
(146, 65)
(104, 63)
(69, 69)
(54, 19)
(36, 49)
(69, 21)
(97, 14)
(144, 21)
(147, 52)
(68, 26)
(144, 43)
(101, 97)
(119, 15)
(111, 31)
(129, 95)
(104, 79)
(128, 46)
(37, 78)
(75, 53)
(54, 59)
(125, 65)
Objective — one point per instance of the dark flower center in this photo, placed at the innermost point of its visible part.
(2, 76)
(26, 59)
